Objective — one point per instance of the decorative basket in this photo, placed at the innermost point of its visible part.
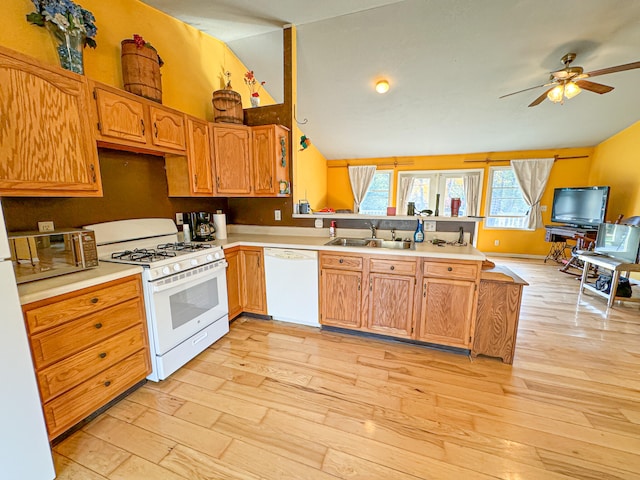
(227, 107)
(141, 71)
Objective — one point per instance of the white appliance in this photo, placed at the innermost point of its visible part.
(292, 285)
(24, 445)
(185, 287)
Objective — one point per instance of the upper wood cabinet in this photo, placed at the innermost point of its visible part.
(46, 142)
(232, 159)
(270, 159)
(128, 122)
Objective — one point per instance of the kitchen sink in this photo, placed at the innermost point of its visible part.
(369, 242)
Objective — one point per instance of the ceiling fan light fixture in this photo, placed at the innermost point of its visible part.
(556, 93)
(571, 89)
(382, 86)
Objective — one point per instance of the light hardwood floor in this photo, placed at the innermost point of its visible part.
(278, 401)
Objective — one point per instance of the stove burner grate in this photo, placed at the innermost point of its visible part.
(142, 255)
(184, 246)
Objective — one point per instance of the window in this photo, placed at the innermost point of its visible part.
(505, 207)
(427, 184)
(378, 196)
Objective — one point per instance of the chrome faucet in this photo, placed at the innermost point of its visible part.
(373, 229)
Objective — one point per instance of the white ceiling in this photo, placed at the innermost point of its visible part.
(447, 62)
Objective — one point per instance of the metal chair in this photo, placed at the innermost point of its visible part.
(583, 245)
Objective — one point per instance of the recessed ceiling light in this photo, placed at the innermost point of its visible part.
(382, 86)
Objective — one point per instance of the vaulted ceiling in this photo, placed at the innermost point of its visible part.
(448, 62)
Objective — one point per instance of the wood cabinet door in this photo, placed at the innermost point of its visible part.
(47, 146)
(199, 156)
(447, 310)
(264, 151)
(167, 128)
(391, 304)
(120, 117)
(340, 298)
(232, 160)
(254, 297)
(234, 282)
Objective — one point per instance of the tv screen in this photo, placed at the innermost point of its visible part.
(618, 241)
(580, 206)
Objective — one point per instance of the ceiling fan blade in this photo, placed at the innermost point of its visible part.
(540, 99)
(593, 87)
(618, 68)
(527, 89)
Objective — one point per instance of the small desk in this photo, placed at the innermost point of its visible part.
(608, 263)
(558, 236)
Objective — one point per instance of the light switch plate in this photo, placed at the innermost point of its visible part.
(277, 215)
(179, 219)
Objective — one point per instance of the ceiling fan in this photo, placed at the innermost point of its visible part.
(571, 80)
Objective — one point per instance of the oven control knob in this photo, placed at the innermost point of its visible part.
(209, 258)
(176, 267)
(217, 254)
(166, 271)
(194, 262)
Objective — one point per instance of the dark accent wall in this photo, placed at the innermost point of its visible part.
(135, 186)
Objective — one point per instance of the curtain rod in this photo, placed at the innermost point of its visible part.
(394, 164)
(555, 157)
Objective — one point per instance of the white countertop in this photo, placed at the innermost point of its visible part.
(50, 287)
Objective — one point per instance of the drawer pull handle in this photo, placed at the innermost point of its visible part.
(107, 383)
(94, 300)
(449, 269)
(102, 355)
(98, 325)
(341, 261)
(392, 267)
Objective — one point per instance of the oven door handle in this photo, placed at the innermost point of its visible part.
(163, 283)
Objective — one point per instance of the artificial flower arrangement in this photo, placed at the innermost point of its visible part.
(67, 16)
(252, 83)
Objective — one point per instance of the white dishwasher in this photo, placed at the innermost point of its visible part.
(292, 285)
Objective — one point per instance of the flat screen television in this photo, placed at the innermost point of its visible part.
(618, 241)
(580, 206)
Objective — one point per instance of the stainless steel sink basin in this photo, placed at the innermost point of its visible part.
(369, 242)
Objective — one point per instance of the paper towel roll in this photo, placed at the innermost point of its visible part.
(220, 224)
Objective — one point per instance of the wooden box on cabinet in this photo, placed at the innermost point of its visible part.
(88, 347)
(128, 122)
(448, 302)
(499, 300)
(47, 146)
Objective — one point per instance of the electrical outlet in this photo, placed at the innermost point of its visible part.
(543, 208)
(429, 226)
(179, 219)
(277, 215)
(318, 223)
(496, 243)
(45, 227)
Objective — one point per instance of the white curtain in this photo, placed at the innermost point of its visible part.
(406, 184)
(360, 178)
(532, 176)
(472, 193)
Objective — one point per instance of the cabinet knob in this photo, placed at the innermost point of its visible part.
(449, 269)
(341, 261)
(102, 355)
(98, 325)
(392, 267)
(142, 126)
(94, 300)
(107, 383)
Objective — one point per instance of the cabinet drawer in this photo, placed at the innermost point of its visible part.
(341, 262)
(72, 337)
(399, 267)
(74, 370)
(57, 313)
(465, 271)
(69, 408)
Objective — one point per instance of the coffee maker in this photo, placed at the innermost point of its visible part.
(201, 226)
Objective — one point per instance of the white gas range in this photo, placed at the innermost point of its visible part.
(185, 287)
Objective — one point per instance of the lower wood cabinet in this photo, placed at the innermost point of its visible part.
(340, 290)
(448, 302)
(246, 291)
(88, 347)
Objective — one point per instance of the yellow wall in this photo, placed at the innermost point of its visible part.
(616, 162)
(194, 62)
(565, 173)
(309, 174)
